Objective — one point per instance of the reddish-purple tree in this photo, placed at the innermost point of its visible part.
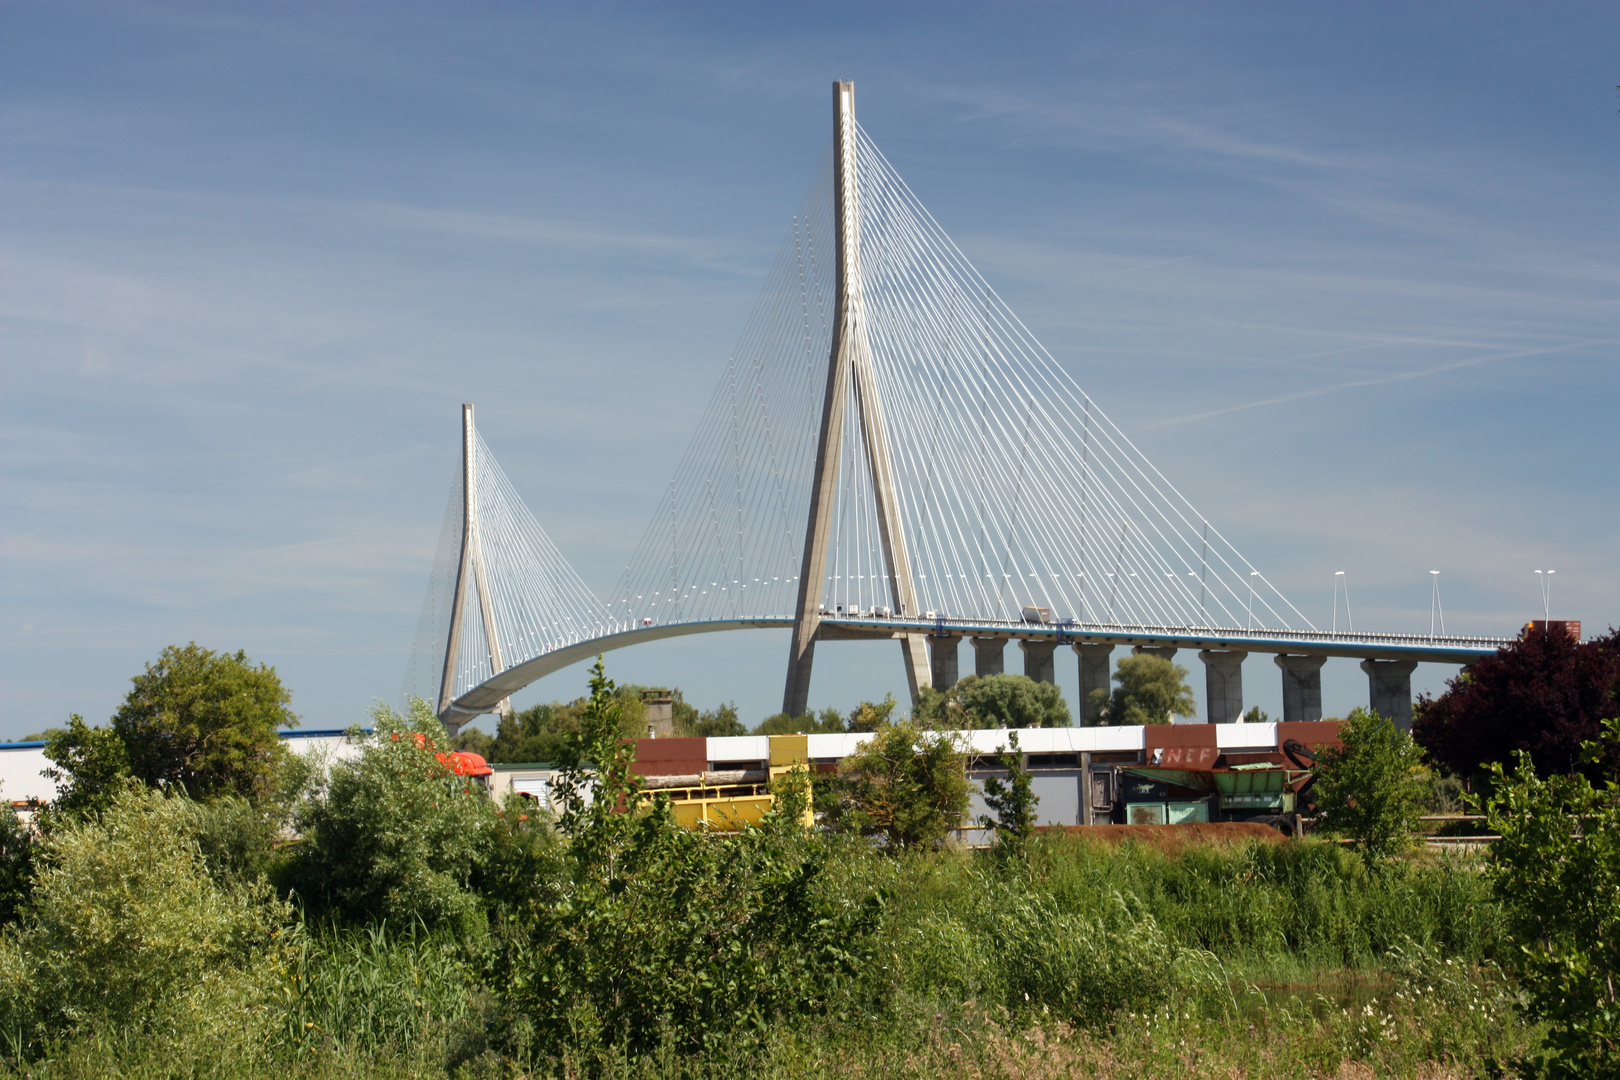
(1544, 693)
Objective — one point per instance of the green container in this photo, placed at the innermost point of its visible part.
(1144, 813)
(1182, 813)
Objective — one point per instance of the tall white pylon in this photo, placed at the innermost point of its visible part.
(850, 361)
(472, 559)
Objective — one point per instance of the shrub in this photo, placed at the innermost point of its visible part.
(1371, 788)
(651, 934)
(17, 859)
(904, 784)
(1013, 802)
(126, 926)
(1556, 871)
(91, 767)
(809, 724)
(395, 835)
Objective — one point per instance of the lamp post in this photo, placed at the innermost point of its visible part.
(1250, 623)
(1546, 593)
(1434, 603)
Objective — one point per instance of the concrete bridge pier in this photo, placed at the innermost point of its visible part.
(1038, 659)
(1166, 651)
(987, 656)
(1389, 689)
(1094, 675)
(1223, 684)
(942, 662)
(1302, 687)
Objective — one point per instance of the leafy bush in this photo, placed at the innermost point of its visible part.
(235, 839)
(126, 926)
(394, 835)
(91, 767)
(870, 715)
(1370, 788)
(17, 858)
(905, 784)
(650, 933)
(1012, 800)
(1556, 871)
(830, 721)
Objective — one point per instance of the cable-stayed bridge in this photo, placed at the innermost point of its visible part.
(889, 454)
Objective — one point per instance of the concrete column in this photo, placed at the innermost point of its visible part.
(1166, 651)
(1389, 689)
(1094, 675)
(987, 658)
(1302, 687)
(1038, 659)
(1223, 685)
(942, 661)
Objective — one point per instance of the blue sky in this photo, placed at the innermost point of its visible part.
(1349, 274)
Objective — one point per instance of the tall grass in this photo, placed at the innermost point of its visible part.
(1307, 902)
(1084, 960)
(376, 987)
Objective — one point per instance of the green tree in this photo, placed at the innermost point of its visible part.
(1012, 800)
(1556, 871)
(394, 834)
(1010, 701)
(871, 716)
(541, 732)
(1151, 690)
(91, 767)
(905, 784)
(712, 723)
(993, 701)
(1371, 789)
(206, 721)
(829, 722)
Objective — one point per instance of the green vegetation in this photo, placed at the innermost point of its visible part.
(1371, 789)
(393, 835)
(412, 928)
(829, 722)
(905, 784)
(1556, 872)
(1151, 690)
(1544, 694)
(205, 722)
(1012, 801)
(994, 701)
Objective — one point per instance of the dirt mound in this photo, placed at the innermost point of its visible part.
(1171, 837)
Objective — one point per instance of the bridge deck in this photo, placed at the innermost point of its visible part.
(1440, 650)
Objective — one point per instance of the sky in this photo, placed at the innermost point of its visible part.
(1348, 274)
